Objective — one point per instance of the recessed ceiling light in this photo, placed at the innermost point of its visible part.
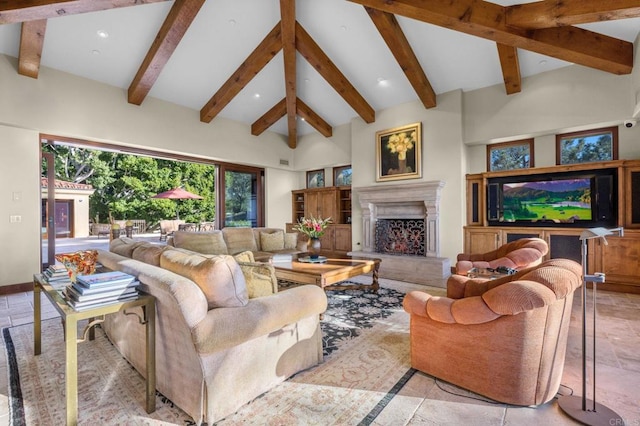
(256, 95)
(102, 34)
(232, 22)
(542, 62)
(306, 80)
(343, 27)
(95, 52)
(383, 81)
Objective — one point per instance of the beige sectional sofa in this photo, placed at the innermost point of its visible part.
(262, 242)
(224, 334)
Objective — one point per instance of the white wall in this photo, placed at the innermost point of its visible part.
(443, 158)
(20, 177)
(565, 100)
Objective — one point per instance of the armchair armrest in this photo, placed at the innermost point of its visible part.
(471, 310)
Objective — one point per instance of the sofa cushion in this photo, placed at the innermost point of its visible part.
(272, 241)
(261, 279)
(218, 276)
(291, 240)
(201, 242)
(239, 239)
(124, 246)
(149, 253)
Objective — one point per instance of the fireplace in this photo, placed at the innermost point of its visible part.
(401, 226)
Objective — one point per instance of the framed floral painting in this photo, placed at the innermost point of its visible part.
(315, 178)
(398, 153)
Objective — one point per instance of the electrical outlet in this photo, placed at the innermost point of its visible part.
(17, 196)
(15, 219)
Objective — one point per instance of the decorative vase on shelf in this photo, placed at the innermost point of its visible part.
(314, 248)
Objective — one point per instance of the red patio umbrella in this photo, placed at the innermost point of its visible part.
(178, 194)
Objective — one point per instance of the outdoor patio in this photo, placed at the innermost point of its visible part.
(66, 245)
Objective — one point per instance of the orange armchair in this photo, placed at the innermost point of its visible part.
(518, 254)
(505, 339)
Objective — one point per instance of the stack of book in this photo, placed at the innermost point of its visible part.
(57, 276)
(90, 291)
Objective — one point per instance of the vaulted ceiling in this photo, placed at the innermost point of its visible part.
(299, 67)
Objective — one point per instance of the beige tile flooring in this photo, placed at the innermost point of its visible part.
(618, 369)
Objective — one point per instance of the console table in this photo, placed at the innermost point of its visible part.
(70, 318)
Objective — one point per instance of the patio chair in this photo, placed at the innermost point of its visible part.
(168, 227)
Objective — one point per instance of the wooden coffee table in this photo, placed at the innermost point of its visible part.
(331, 272)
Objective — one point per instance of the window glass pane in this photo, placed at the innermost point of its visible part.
(240, 200)
(585, 149)
(510, 155)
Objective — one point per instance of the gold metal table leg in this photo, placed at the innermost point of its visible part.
(71, 369)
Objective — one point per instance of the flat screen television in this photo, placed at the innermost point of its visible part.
(575, 199)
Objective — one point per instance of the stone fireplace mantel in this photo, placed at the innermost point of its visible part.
(419, 200)
(406, 201)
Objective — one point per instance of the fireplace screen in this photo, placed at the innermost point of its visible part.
(400, 236)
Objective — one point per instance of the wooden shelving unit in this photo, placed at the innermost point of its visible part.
(619, 260)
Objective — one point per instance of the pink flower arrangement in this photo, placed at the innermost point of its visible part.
(312, 227)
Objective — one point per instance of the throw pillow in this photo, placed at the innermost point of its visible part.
(219, 277)
(201, 242)
(245, 256)
(261, 279)
(273, 241)
(291, 240)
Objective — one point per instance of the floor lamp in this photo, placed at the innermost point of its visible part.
(582, 409)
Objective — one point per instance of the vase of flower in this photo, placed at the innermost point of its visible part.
(314, 229)
(314, 248)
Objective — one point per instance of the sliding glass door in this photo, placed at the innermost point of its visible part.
(243, 197)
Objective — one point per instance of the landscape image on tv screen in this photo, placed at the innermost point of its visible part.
(560, 201)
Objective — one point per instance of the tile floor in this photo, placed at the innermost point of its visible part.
(618, 369)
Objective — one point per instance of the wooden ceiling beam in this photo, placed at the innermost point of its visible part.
(31, 42)
(510, 68)
(178, 21)
(390, 30)
(269, 118)
(288, 24)
(261, 55)
(488, 20)
(314, 119)
(14, 11)
(557, 13)
(328, 70)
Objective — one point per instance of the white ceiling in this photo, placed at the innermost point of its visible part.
(225, 32)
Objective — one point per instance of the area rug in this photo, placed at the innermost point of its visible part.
(366, 362)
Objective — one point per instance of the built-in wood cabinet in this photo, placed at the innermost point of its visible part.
(333, 202)
(619, 259)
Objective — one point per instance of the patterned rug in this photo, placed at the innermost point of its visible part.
(366, 361)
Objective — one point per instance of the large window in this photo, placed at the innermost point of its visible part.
(125, 180)
(510, 155)
(587, 146)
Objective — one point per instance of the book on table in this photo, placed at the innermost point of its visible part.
(79, 306)
(78, 293)
(106, 279)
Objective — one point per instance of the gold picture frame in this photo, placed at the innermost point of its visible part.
(399, 153)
